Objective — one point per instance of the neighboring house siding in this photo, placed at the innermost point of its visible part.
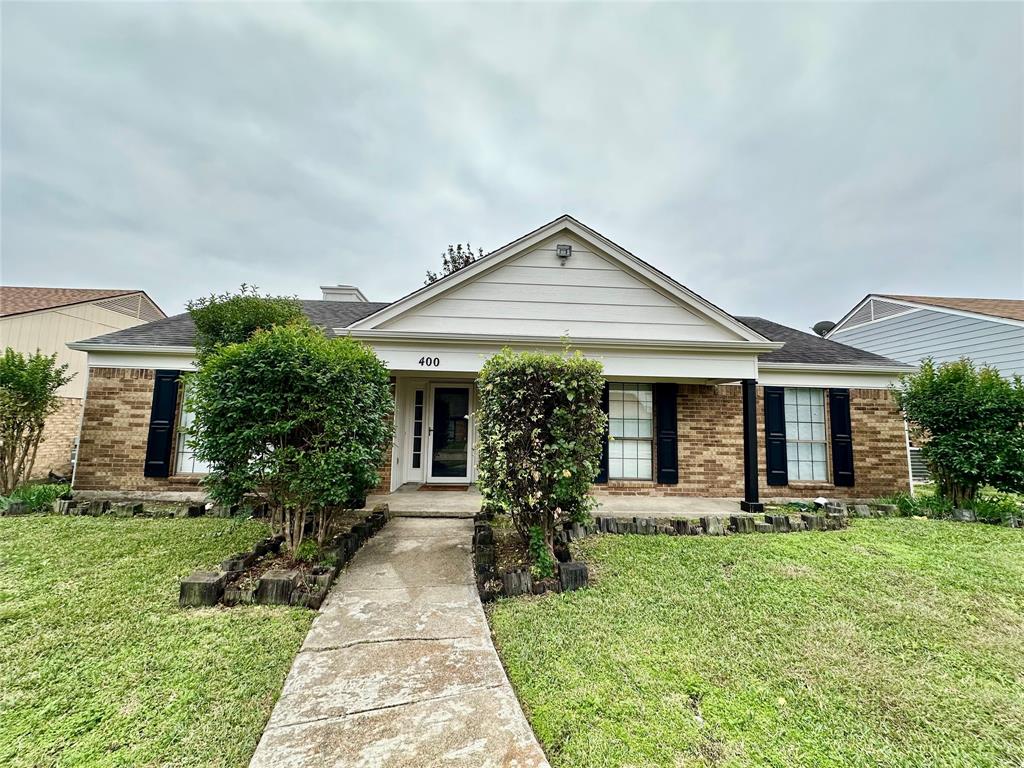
(50, 330)
(534, 294)
(927, 333)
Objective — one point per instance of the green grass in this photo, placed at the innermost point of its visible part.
(99, 666)
(898, 642)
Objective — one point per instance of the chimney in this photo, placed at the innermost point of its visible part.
(342, 293)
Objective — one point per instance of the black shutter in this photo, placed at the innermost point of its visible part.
(159, 447)
(602, 473)
(666, 421)
(842, 437)
(775, 435)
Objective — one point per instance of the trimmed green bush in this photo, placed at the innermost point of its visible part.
(541, 431)
(294, 418)
(970, 424)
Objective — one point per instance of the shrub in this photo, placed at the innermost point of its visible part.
(231, 318)
(970, 423)
(541, 432)
(294, 418)
(28, 395)
(38, 496)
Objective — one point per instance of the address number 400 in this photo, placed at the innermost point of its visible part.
(430, 362)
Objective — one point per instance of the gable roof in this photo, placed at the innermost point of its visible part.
(565, 223)
(807, 348)
(1010, 309)
(17, 300)
(178, 331)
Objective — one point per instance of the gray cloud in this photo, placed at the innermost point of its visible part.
(779, 160)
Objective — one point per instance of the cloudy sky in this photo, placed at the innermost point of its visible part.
(780, 160)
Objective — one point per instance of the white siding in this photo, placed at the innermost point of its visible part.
(590, 296)
(50, 331)
(925, 333)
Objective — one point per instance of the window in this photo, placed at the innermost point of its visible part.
(417, 430)
(631, 427)
(186, 462)
(805, 434)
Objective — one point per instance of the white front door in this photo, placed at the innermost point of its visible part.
(449, 437)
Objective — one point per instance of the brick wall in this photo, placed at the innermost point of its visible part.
(58, 442)
(710, 439)
(115, 430)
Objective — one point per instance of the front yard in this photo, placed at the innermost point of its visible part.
(101, 667)
(898, 642)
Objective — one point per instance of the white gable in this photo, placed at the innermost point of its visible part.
(595, 294)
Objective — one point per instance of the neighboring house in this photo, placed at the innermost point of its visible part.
(701, 403)
(911, 328)
(45, 320)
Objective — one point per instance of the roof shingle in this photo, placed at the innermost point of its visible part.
(16, 300)
(1011, 309)
(178, 330)
(807, 348)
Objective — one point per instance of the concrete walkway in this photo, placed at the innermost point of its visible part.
(398, 668)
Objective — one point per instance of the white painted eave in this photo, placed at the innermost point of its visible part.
(880, 370)
(128, 349)
(420, 337)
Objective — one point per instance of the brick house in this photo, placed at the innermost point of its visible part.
(700, 402)
(44, 320)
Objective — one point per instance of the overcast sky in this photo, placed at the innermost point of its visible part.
(779, 160)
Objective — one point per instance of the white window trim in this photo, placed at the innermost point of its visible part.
(649, 477)
(794, 440)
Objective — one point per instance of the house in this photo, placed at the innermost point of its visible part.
(46, 319)
(700, 403)
(911, 328)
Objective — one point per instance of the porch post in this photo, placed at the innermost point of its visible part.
(751, 500)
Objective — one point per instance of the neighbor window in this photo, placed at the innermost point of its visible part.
(805, 434)
(631, 430)
(186, 462)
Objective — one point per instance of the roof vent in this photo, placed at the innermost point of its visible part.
(342, 293)
(563, 252)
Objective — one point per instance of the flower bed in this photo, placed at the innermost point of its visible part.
(263, 576)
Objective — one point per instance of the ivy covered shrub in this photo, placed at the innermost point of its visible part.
(969, 422)
(294, 418)
(541, 431)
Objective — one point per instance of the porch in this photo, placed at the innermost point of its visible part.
(421, 500)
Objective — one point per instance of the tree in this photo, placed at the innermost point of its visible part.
(28, 395)
(970, 423)
(541, 434)
(294, 418)
(455, 259)
(230, 318)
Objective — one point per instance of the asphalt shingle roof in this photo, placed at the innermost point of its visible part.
(803, 347)
(1011, 309)
(178, 330)
(17, 299)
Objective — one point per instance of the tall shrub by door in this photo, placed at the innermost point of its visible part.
(294, 418)
(541, 430)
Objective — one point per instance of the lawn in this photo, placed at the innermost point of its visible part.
(99, 666)
(898, 642)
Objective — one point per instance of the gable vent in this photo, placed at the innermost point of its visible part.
(875, 310)
(127, 305)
